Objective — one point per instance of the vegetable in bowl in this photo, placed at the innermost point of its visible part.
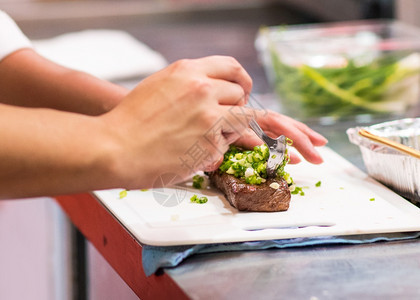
(383, 86)
(342, 69)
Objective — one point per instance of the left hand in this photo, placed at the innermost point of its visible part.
(274, 124)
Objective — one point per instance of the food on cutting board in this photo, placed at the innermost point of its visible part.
(271, 195)
(242, 177)
(199, 200)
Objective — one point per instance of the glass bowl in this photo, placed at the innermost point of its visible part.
(342, 69)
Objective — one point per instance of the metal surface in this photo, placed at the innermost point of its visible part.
(276, 148)
(377, 271)
(398, 170)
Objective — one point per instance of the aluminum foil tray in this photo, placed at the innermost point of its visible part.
(399, 171)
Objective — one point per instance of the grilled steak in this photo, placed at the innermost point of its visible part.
(248, 197)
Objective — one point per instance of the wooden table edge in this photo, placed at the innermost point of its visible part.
(121, 250)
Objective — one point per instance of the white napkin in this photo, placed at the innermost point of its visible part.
(107, 54)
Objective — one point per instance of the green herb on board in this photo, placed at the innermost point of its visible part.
(296, 190)
(199, 200)
(318, 184)
(123, 194)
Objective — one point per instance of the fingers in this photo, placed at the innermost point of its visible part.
(304, 139)
(294, 158)
(204, 93)
(315, 138)
(228, 93)
(223, 75)
(229, 124)
(229, 69)
(215, 165)
(248, 140)
(274, 124)
(237, 121)
(233, 127)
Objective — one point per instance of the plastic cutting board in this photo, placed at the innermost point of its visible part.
(347, 202)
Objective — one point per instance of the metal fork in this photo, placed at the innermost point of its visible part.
(276, 148)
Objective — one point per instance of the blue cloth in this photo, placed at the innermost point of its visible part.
(155, 257)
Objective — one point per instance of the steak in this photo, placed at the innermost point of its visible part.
(248, 197)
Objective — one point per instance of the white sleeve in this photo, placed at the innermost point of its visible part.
(11, 37)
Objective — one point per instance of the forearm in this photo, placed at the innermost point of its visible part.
(30, 80)
(48, 152)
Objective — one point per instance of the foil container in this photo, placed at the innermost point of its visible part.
(398, 171)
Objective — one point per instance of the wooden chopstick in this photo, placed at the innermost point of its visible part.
(390, 143)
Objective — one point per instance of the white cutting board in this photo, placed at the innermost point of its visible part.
(342, 205)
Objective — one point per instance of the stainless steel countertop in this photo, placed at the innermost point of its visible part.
(386, 270)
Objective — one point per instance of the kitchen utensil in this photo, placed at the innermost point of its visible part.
(390, 143)
(276, 148)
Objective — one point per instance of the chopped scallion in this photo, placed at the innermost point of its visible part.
(199, 200)
(123, 194)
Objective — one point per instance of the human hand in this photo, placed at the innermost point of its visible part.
(274, 124)
(179, 120)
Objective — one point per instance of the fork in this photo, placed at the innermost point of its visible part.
(276, 148)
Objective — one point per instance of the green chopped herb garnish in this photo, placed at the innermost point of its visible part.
(297, 190)
(198, 181)
(318, 184)
(372, 199)
(144, 190)
(251, 165)
(199, 200)
(123, 194)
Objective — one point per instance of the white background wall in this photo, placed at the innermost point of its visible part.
(104, 282)
(34, 251)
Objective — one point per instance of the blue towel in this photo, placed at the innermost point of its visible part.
(155, 257)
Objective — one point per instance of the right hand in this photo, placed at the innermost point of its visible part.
(178, 120)
(274, 124)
